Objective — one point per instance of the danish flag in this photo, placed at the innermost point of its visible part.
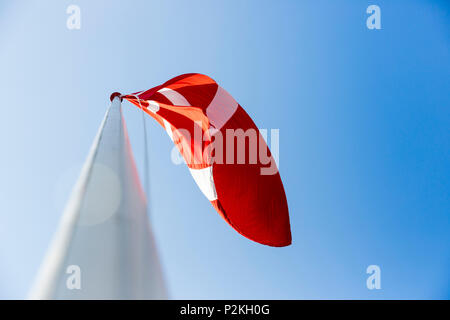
(199, 115)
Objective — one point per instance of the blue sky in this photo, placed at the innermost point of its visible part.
(364, 137)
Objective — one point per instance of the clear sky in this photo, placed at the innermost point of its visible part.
(364, 137)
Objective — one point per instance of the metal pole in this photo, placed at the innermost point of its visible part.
(104, 243)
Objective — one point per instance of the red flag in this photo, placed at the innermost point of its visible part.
(225, 153)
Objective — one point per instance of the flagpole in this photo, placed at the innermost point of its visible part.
(104, 247)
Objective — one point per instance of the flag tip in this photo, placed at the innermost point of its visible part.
(115, 94)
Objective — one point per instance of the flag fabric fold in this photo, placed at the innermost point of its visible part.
(225, 153)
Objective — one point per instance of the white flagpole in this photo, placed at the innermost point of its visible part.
(104, 248)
